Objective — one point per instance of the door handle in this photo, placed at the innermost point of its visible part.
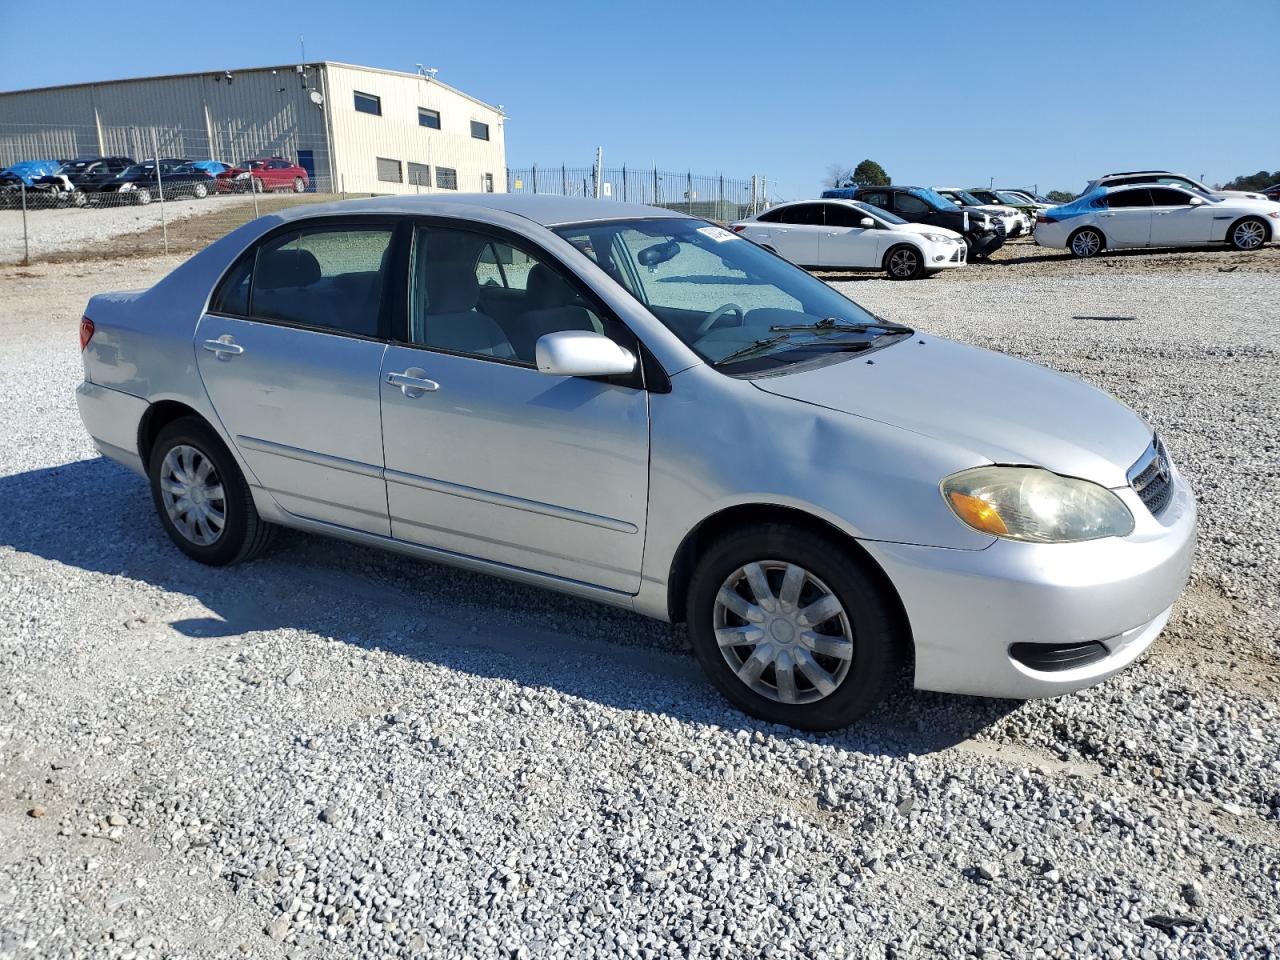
(224, 347)
(413, 383)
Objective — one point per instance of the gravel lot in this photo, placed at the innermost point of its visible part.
(339, 753)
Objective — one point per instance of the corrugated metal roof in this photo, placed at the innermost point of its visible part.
(289, 67)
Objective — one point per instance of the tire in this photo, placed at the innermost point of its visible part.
(904, 262)
(298, 185)
(257, 185)
(864, 628)
(1086, 242)
(79, 198)
(141, 196)
(189, 443)
(199, 191)
(1248, 233)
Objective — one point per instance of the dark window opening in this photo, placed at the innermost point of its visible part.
(368, 103)
(479, 130)
(429, 118)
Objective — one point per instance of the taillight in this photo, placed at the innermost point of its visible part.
(86, 332)
(1045, 218)
(738, 227)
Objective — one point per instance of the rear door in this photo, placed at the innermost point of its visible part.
(290, 352)
(1127, 219)
(1176, 220)
(845, 242)
(804, 225)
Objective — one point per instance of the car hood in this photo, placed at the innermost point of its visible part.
(1001, 409)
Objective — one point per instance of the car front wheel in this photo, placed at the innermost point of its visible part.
(298, 185)
(790, 629)
(904, 263)
(1248, 234)
(200, 191)
(202, 497)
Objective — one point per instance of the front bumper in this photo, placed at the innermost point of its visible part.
(967, 608)
(942, 256)
(985, 244)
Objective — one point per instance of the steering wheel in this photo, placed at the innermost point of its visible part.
(719, 312)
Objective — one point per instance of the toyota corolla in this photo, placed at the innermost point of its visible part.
(630, 405)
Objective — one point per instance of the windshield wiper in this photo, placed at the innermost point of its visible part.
(834, 323)
(751, 349)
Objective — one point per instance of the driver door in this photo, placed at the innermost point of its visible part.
(846, 242)
(487, 457)
(1176, 220)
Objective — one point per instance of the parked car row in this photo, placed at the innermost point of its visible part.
(116, 180)
(913, 232)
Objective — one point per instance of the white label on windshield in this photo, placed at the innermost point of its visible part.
(718, 234)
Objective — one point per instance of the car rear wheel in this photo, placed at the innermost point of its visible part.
(904, 263)
(1247, 234)
(141, 195)
(298, 185)
(202, 498)
(200, 191)
(79, 198)
(791, 630)
(1086, 242)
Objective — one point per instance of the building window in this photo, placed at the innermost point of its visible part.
(389, 170)
(429, 118)
(488, 183)
(446, 178)
(419, 174)
(479, 130)
(368, 103)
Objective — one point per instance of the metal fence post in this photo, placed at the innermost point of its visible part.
(26, 243)
(564, 180)
(533, 177)
(720, 211)
(657, 199)
(164, 227)
(624, 183)
(688, 190)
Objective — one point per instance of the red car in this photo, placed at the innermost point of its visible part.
(265, 173)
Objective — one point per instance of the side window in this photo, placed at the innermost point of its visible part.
(838, 215)
(909, 206)
(876, 199)
(325, 277)
(472, 294)
(232, 295)
(770, 216)
(1128, 199)
(804, 214)
(1163, 197)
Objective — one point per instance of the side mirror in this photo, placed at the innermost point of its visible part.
(1195, 201)
(582, 353)
(866, 223)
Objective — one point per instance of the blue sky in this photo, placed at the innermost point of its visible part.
(1038, 92)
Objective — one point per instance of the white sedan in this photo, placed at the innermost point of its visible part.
(850, 235)
(1151, 215)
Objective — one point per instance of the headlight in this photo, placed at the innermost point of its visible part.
(126, 186)
(1035, 505)
(937, 237)
(241, 176)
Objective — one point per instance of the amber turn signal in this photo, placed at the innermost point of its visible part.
(977, 513)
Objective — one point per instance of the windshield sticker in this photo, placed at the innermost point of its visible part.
(718, 234)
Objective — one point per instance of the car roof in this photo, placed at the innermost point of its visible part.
(543, 209)
(1132, 173)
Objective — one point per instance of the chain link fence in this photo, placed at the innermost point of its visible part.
(712, 197)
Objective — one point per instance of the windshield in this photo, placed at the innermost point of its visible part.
(884, 215)
(739, 307)
(965, 197)
(1005, 196)
(75, 166)
(933, 198)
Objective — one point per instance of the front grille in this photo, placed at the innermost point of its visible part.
(1152, 477)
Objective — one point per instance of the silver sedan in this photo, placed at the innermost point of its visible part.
(644, 409)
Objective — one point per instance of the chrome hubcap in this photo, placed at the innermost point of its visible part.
(192, 495)
(1086, 244)
(783, 632)
(1249, 236)
(902, 263)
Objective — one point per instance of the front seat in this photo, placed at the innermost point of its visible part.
(553, 305)
(451, 318)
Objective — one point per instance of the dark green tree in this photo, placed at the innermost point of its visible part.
(1253, 182)
(1060, 196)
(869, 174)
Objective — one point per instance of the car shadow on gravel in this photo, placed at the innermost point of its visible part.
(96, 516)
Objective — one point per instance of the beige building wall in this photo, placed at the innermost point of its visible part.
(360, 139)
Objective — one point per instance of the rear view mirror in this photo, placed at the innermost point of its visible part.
(658, 253)
(582, 353)
(866, 223)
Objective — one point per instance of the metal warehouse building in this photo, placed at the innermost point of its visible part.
(355, 129)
